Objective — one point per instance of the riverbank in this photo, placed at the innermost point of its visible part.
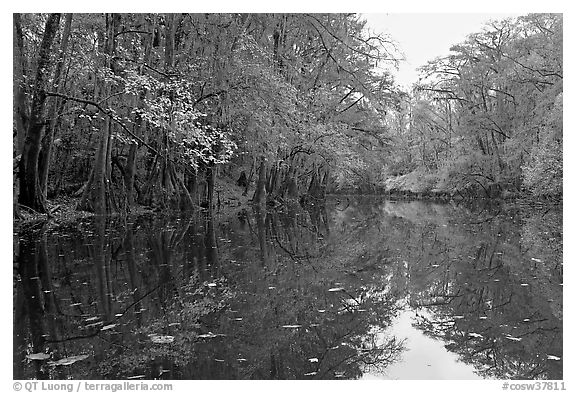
(62, 210)
(230, 200)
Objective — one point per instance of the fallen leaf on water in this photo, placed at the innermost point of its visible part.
(68, 361)
(38, 356)
(94, 324)
(210, 335)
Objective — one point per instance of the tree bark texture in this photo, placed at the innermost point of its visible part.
(30, 192)
(260, 193)
(46, 152)
(96, 197)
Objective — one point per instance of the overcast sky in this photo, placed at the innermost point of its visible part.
(422, 37)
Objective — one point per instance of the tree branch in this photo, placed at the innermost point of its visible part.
(107, 113)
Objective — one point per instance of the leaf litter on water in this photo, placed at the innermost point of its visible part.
(68, 361)
(210, 335)
(161, 339)
(38, 356)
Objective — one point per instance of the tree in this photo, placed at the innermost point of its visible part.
(56, 109)
(476, 119)
(97, 196)
(30, 192)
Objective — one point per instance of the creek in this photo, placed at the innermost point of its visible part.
(356, 288)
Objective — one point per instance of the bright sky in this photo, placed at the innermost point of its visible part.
(422, 37)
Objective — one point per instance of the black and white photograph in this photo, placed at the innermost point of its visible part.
(287, 196)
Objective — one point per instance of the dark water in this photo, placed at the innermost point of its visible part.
(361, 288)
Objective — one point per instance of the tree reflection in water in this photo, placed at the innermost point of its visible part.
(296, 294)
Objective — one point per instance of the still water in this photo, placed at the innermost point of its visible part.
(358, 288)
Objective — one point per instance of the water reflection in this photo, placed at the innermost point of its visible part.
(296, 294)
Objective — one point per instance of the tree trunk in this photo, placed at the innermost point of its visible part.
(30, 193)
(19, 108)
(44, 163)
(250, 176)
(165, 186)
(20, 118)
(169, 47)
(260, 193)
(96, 196)
(210, 180)
(140, 128)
